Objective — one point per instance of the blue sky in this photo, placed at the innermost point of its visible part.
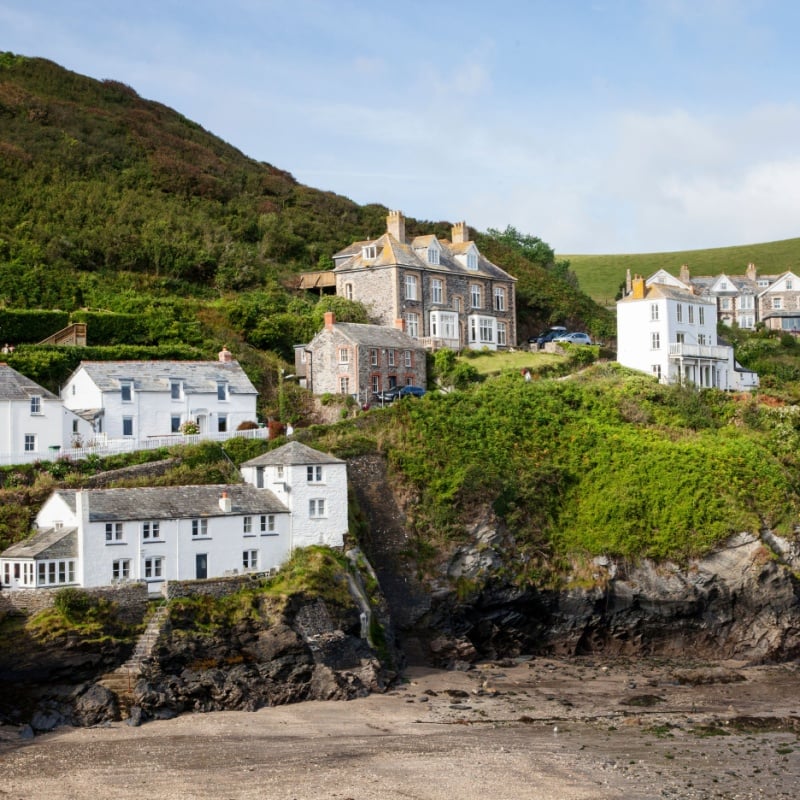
(602, 126)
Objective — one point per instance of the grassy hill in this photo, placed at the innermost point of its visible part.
(600, 276)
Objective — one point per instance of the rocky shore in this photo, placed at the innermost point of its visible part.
(524, 728)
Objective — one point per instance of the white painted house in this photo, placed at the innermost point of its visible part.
(133, 400)
(32, 419)
(101, 536)
(667, 330)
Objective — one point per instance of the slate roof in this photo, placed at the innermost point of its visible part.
(47, 543)
(391, 252)
(656, 290)
(174, 502)
(15, 386)
(376, 336)
(155, 376)
(291, 454)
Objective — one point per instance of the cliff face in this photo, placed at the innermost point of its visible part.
(742, 601)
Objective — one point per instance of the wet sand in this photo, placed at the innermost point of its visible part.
(540, 729)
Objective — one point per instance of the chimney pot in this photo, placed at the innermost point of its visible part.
(225, 355)
(330, 320)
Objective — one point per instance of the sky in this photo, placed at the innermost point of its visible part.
(600, 126)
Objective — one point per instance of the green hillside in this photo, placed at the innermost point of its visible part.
(600, 276)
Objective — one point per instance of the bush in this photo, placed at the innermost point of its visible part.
(73, 604)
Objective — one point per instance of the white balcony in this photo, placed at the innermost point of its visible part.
(699, 351)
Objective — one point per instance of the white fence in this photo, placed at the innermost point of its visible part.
(112, 447)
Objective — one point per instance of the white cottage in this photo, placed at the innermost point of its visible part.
(137, 399)
(101, 536)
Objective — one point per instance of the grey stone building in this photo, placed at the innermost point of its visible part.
(360, 360)
(446, 292)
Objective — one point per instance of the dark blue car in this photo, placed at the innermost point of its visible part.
(411, 391)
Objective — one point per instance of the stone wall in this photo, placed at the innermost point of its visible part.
(214, 587)
(130, 597)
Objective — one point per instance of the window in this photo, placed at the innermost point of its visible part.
(36, 404)
(701, 338)
(348, 291)
(486, 329)
(222, 423)
(247, 526)
(788, 285)
(499, 299)
(701, 315)
(776, 303)
(250, 559)
(654, 312)
(267, 523)
(113, 531)
(373, 356)
(655, 341)
(222, 390)
(678, 312)
(412, 325)
(259, 477)
(657, 371)
(50, 572)
(344, 385)
(316, 508)
(376, 383)
(175, 390)
(127, 426)
(475, 295)
(723, 286)
(74, 426)
(457, 304)
(691, 315)
(314, 474)
(472, 260)
(151, 530)
(411, 287)
(126, 392)
(153, 567)
(175, 423)
(433, 255)
(369, 251)
(679, 337)
(120, 569)
(437, 290)
(746, 301)
(199, 527)
(30, 443)
(391, 358)
(501, 333)
(344, 355)
(725, 303)
(407, 358)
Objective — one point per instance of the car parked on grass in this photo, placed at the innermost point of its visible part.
(386, 396)
(574, 338)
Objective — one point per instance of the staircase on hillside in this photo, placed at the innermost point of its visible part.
(122, 680)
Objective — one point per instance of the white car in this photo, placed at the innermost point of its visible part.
(574, 338)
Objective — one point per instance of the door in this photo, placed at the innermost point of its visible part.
(201, 565)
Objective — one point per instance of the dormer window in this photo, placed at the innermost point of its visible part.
(369, 251)
(472, 260)
(433, 255)
(175, 390)
(126, 391)
(222, 390)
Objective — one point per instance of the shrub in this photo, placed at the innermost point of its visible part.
(73, 604)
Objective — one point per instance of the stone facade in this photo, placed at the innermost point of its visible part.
(131, 598)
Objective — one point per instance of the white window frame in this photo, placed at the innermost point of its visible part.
(127, 423)
(655, 340)
(314, 473)
(126, 391)
(437, 291)
(501, 333)
(200, 528)
(344, 355)
(499, 298)
(412, 325)
(120, 569)
(369, 251)
(267, 524)
(344, 385)
(154, 567)
(472, 259)
(391, 357)
(250, 559)
(176, 390)
(247, 525)
(433, 256)
(114, 532)
(316, 508)
(222, 390)
(475, 295)
(373, 356)
(36, 404)
(777, 303)
(348, 291)
(411, 286)
(679, 312)
(31, 444)
(654, 312)
(151, 530)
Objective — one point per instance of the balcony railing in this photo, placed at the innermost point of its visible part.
(708, 351)
(439, 342)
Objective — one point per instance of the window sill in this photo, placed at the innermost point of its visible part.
(271, 533)
(115, 544)
(154, 541)
(201, 538)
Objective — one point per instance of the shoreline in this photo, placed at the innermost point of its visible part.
(565, 729)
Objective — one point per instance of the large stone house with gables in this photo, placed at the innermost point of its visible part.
(446, 292)
(360, 360)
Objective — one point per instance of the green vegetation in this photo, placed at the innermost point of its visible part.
(601, 276)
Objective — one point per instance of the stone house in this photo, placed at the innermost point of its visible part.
(360, 360)
(446, 292)
(292, 497)
(134, 400)
(670, 332)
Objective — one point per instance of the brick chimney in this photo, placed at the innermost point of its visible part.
(751, 271)
(460, 233)
(330, 320)
(685, 275)
(396, 226)
(638, 286)
(225, 355)
(400, 324)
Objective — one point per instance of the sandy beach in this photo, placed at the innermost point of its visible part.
(560, 729)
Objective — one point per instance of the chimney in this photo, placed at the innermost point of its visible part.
(685, 276)
(751, 271)
(225, 503)
(637, 286)
(628, 288)
(460, 233)
(225, 355)
(396, 226)
(330, 320)
(400, 324)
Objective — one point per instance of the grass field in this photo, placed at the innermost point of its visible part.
(493, 363)
(600, 276)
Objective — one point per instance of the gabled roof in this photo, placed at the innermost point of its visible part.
(292, 454)
(174, 502)
(374, 336)
(779, 284)
(15, 386)
(155, 376)
(47, 543)
(657, 291)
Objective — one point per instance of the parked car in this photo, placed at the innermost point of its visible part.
(411, 391)
(574, 338)
(548, 335)
(387, 395)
